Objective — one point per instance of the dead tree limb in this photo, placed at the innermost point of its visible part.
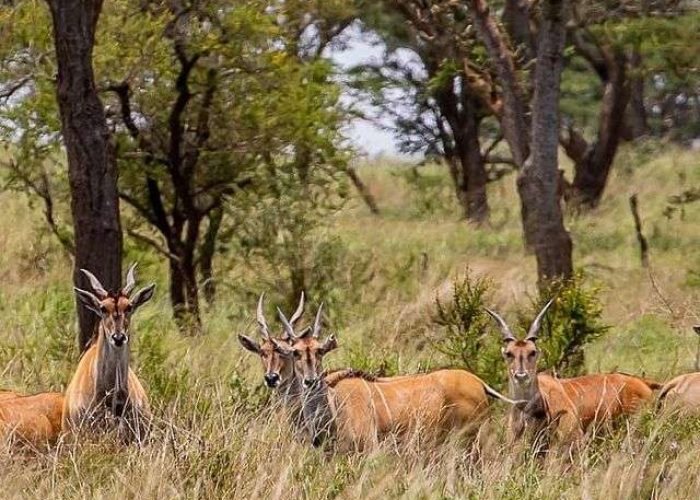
(643, 245)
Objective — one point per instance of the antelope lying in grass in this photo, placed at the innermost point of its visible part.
(564, 407)
(279, 369)
(34, 419)
(104, 391)
(359, 410)
(683, 392)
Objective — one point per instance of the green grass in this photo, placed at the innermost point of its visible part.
(216, 434)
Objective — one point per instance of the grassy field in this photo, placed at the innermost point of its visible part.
(217, 434)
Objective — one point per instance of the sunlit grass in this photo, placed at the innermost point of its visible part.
(217, 435)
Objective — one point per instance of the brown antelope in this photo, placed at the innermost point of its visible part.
(9, 395)
(683, 392)
(104, 388)
(34, 419)
(359, 410)
(564, 407)
(279, 372)
(277, 365)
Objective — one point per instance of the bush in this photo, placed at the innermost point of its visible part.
(465, 333)
(573, 320)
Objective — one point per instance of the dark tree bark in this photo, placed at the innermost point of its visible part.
(457, 111)
(641, 239)
(635, 125)
(92, 167)
(463, 151)
(538, 182)
(516, 19)
(206, 254)
(592, 162)
(472, 184)
(364, 191)
(512, 111)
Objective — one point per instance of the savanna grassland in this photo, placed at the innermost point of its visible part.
(216, 432)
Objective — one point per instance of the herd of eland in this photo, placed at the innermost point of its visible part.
(347, 409)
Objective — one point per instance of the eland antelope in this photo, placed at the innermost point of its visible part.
(564, 407)
(34, 419)
(358, 410)
(683, 392)
(104, 390)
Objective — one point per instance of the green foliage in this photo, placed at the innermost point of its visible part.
(465, 333)
(572, 322)
(380, 362)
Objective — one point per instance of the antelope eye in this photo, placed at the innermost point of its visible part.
(509, 355)
(532, 354)
(297, 354)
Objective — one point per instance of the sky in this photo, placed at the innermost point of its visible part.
(365, 136)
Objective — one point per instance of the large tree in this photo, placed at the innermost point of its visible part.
(92, 169)
(429, 96)
(533, 143)
(210, 110)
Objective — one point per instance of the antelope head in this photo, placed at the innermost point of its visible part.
(521, 355)
(114, 309)
(307, 350)
(274, 353)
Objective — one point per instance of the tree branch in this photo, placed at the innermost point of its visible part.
(159, 247)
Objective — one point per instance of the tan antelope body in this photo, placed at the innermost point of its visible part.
(358, 411)
(9, 395)
(682, 393)
(34, 419)
(568, 407)
(104, 392)
(428, 406)
(563, 408)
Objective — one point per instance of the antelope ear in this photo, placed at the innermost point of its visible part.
(330, 344)
(249, 344)
(90, 301)
(143, 296)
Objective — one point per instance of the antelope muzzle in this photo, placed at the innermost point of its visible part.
(272, 379)
(119, 339)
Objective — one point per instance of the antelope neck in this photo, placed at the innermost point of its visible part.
(112, 380)
(316, 411)
(520, 392)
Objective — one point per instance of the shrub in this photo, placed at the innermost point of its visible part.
(573, 321)
(465, 333)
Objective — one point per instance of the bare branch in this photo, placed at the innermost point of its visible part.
(159, 247)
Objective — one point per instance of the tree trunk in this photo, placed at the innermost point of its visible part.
(92, 169)
(193, 320)
(513, 114)
(592, 169)
(206, 255)
(177, 291)
(364, 191)
(635, 125)
(516, 19)
(472, 184)
(538, 182)
(184, 295)
(463, 151)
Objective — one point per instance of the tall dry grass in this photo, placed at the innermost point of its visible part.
(218, 433)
